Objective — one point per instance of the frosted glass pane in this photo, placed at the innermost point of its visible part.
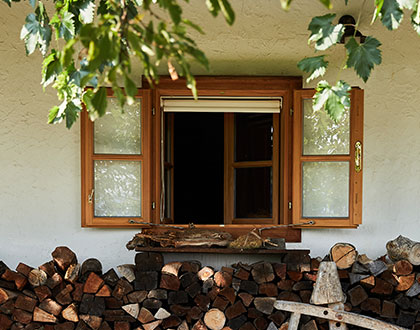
(325, 189)
(117, 132)
(117, 188)
(321, 135)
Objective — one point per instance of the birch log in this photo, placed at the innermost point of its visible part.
(403, 248)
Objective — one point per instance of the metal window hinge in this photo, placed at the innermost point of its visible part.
(290, 205)
(153, 205)
(153, 111)
(291, 111)
(90, 196)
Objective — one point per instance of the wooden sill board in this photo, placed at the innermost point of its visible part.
(218, 250)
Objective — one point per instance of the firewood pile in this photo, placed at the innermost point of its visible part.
(151, 295)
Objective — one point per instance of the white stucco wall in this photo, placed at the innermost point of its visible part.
(40, 164)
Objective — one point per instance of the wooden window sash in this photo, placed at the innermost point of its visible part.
(231, 165)
(87, 171)
(355, 178)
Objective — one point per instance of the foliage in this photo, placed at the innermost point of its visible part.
(99, 43)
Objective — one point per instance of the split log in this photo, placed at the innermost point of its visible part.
(26, 303)
(37, 277)
(6, 295)
(132, 309)
(42, 316)
(403, 267)
(63, 257)
(50, 306)
(72, 273)
(344, 255)
(205, 273)
(145, 316)
(404, 248)
(327, 288)
(70, 313)
(128, 271)
(93, 321)
(405, 282)
(263, 272)
(93, 283)
(23, 269)
(215, 319)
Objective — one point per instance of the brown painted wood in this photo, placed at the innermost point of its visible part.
(88, 157)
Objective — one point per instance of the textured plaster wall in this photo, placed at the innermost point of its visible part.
(40, 164)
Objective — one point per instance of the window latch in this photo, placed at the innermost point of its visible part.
(90, 196)
(358, 156)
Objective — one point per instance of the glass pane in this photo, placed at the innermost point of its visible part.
(117, 188)
(321, 135)
(253, 192)
(117, 132)
(253, 136)
(168, 136)
(325, 189)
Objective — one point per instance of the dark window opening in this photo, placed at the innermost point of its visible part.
(198, 144)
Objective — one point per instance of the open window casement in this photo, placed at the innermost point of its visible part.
(116, 161)
(327, 164)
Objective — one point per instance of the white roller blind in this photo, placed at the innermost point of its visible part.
(220, 105)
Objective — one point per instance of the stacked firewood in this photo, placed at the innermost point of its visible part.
(151, 295)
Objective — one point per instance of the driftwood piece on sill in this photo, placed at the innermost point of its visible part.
(193, 237)
(404, 248)
(344, 255)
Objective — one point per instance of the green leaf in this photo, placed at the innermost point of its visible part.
(227, 11)
(213, 7)
(130, 88)
(193, 25)
(36, 33)
(87, 11)
(323, 32)
(315, 66)
(391, 14)
(71, 114)
(285, 4)
(408, 4)
(51, 67)
(67, 54)
(53, 115)
(9, 2)
(415, 19)
(363, 57)
(175, 12)
(326, 3)
(66, 28)
(99, 101)
(335, 99)
(378, 8)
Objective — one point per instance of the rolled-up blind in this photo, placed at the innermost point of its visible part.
(222, 105)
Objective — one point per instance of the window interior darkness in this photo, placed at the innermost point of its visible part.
(198, 168)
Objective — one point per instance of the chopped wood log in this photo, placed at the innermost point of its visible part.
(235, 310)
(260, 323)
(145, 316)
(377, 267)
(368, 282)
(404, 248)
(37, 277)
(54, 281)
(42, 316)
(78, 291)
(220, 303)
(42, 292)
(121, 326)
(152, 304)
(110, 277)
(327, 288)
(132, 309)
(229, 294)
(137, 296)
(237, 322)
(22, 316)
(127, 271)
(215, 319)
(246, 298)
(152, 325)
(177, 297)
(388, 309)
(263, 272)
(5, 322)
(294, 275)
(264, 305)
(70, 313)
(344, 255)
(242, 274)
(222, 279)
(382, 287)
(402, 267)
(414, 290)
(406, 319)
(405, 282)
(172, 268)
(63, 257)
(249, 286)
(93, 321)
(149, 261)
(23, 269)
(357, 295)
(169, 282)
(105, 291)
(162, 314)
(6, 295)
(183, 326)
(194, 289)
(205, 273)
(277, 317)
(50, 306)
(372, 305)
(203, 302)
(72, 273)
(280, 270)
(64, 297)
(19, 279)
(26, 303)
(285, 285)
(91, 265)
(121, 289)
(93, 283)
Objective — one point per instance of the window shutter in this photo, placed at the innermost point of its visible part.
(327, 163)
(116, 171)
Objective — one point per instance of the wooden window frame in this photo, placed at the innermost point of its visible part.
(281, 87)
(87, 171)
(289, 159)
(355, 178)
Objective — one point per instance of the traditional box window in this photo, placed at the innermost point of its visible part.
(239, 157)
